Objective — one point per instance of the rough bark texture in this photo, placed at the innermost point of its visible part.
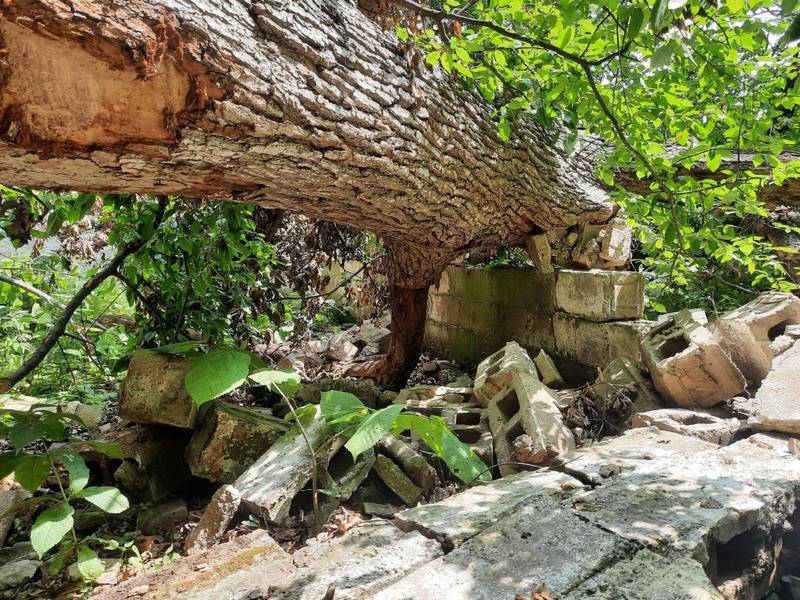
(304, 105)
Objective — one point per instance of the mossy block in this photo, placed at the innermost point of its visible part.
(396, 480)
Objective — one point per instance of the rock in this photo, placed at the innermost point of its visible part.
(778, 399)
(460, 517)
(548, 372)
(687, 364)
(364, 389)
(18, 572)
(112, 567)
(215, 520)
(540, 542)
(690, 423)
(747, 333)
(697, 314)
(412, 462)
(270, 484)
(88, 413)
(615, 247)
(497, 371)
(396, 480)
(596, 344)
(601, 295)
(89, 519)
(229, 439)
(153, 391)
(8, 500)
(157, 518)
(527, 408)
(386, 511)
(16, 552)
(648, 576)
(373, 335)
(539, 251)
(367, 558)
(343, 475)
(154, 465)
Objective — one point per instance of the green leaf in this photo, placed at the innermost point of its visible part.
(179, 348)
(110, 449)
(89, 564)
(373, 428)
(788, 6)
(657, 15)
(216, 373)
(342, 410)
(663, 54)
(26, 432)
(110, 499)
(504, 129)
(734, 6)
(459, 458)
(78, 471)
(32, 470)
(281, 382)
(634, 24)
(793, 31)
(8, 462)
(50, 527)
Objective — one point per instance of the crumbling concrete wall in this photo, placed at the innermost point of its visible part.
(474, 312)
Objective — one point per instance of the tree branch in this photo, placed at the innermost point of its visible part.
(59, 327)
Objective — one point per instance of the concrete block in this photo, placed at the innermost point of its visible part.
(747, 333)
(623, 373)
(229, 439)
(690, 423)
(153, 391)
(215, 520)
(539, 251)
(603, 246)
(601, 295)
(397, 481)
(687, 364)
(548, 372)
(412, 462)
(497, 371)
(596, 344)
(527, 408)
(270, 484)
(777, 401)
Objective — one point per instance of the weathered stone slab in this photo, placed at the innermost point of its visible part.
(648, 576)
(596, 344)
(778, 399)
(528, 548)
(633, 451)
(601, 295)
(690, 423)
(367, 558)
(247, 567)
(463, 516)
(695, 503)
(748, 332)
(527, 424)
(153, 391)
(229, 439)
(269, 485)
(687, 364)
(215, 520)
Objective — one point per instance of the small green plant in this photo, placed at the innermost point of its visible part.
(219, 372)
(53, 526)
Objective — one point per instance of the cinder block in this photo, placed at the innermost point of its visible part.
(596, 344)
(539, 250)
(687, 364)
(601, 295)
(496, 372)
(153, 391)
(527, 409)
(603, 246)
(548, 372)
(748, 333)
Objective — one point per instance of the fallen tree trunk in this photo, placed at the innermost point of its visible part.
(306, 106)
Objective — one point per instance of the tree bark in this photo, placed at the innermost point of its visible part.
(304, 105)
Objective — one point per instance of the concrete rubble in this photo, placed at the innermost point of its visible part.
(691, 423)
(215, 520)
(777, 402)
(688, 365)
(601, 295)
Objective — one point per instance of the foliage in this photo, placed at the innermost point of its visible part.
(653, 89)
(31, 469)
(365, 427)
